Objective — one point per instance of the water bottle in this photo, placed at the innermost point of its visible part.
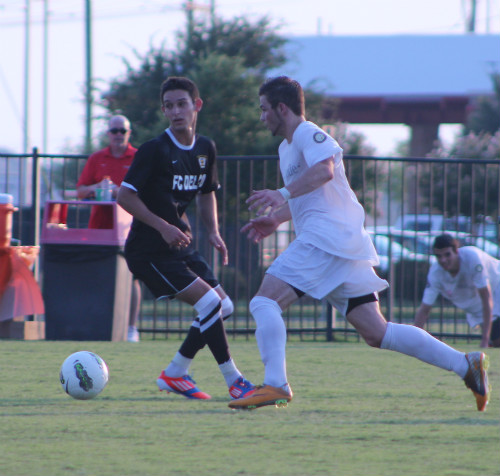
(107, 189)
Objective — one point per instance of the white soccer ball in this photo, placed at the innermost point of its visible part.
(84, 375)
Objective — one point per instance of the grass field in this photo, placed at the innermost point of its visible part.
(357, 411)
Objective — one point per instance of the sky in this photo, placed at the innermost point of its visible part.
(55, 122)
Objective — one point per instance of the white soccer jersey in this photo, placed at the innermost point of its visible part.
(330, 217)
(477, 269)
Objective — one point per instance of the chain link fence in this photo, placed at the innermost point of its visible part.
(408, 201)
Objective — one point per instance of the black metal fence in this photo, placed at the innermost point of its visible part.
(407, 201)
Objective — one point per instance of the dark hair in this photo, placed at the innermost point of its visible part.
(178, 82)
(283, 89)
(445, 241)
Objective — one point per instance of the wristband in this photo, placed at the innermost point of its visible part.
(285, 193)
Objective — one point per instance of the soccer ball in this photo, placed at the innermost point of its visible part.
(83, 375)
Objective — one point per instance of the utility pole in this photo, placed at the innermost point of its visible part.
(45, 74)
(88, 77)
(471, 17)
(189, 8)
(27, 26)
(212, 13)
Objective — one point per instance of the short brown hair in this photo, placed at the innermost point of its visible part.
(179, 82)
(285, 90)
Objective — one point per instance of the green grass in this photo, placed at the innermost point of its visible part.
(357, 411)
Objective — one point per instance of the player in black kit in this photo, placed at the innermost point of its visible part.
(167, 173)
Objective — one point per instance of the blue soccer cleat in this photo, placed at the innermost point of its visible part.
(241, 388)
(184, 385)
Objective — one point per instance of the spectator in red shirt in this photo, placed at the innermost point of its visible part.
(113, 162)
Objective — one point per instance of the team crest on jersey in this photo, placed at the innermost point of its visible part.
(202, 160)
(319, 137)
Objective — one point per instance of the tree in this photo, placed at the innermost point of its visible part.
(229, 60)
(485, 117)
(469, 189)
(462, 188)
(137, 95)
(230, 110)
(258, 45)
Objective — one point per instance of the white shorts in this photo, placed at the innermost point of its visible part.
(325, 276)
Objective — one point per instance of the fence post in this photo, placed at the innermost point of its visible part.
(35, 206)
(35, 194)
(35, 213)
(329, 313)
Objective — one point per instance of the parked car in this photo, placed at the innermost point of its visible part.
(488, 227)
(420, 241)
(488, 246)
(432, 222)
(414, 241)
(405, 270)
(391, 252)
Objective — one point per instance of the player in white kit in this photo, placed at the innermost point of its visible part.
(470, 279)
(332, 256)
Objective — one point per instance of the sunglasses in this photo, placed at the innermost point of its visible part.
(116, 131)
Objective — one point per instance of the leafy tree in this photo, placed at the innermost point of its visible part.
(469, 189)
(257, 45)
(485, 117)
(228, 60)
(230, 111)
(137, 95)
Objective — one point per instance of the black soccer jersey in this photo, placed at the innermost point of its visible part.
(167, 176)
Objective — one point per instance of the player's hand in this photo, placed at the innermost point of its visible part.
(174, 237)
(262, 200)
(218, 243)
(258, 228)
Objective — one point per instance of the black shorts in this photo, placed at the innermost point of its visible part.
(166, 277)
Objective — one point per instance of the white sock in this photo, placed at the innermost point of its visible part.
(229, 372)
(271, 339)
(179, 366)
(416, 342)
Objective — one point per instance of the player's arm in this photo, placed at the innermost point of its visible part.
(207, 206)
(260, 227)
(85, 191)
(86, 188)
(89, 191)
(487, 303)
(128, 199)
(422, 315)
(313, 178)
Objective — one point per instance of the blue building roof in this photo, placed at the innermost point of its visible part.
(399, 65)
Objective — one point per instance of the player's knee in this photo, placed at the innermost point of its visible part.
(209, 299)
(259, 303)
(227, 307)
(208, 308)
